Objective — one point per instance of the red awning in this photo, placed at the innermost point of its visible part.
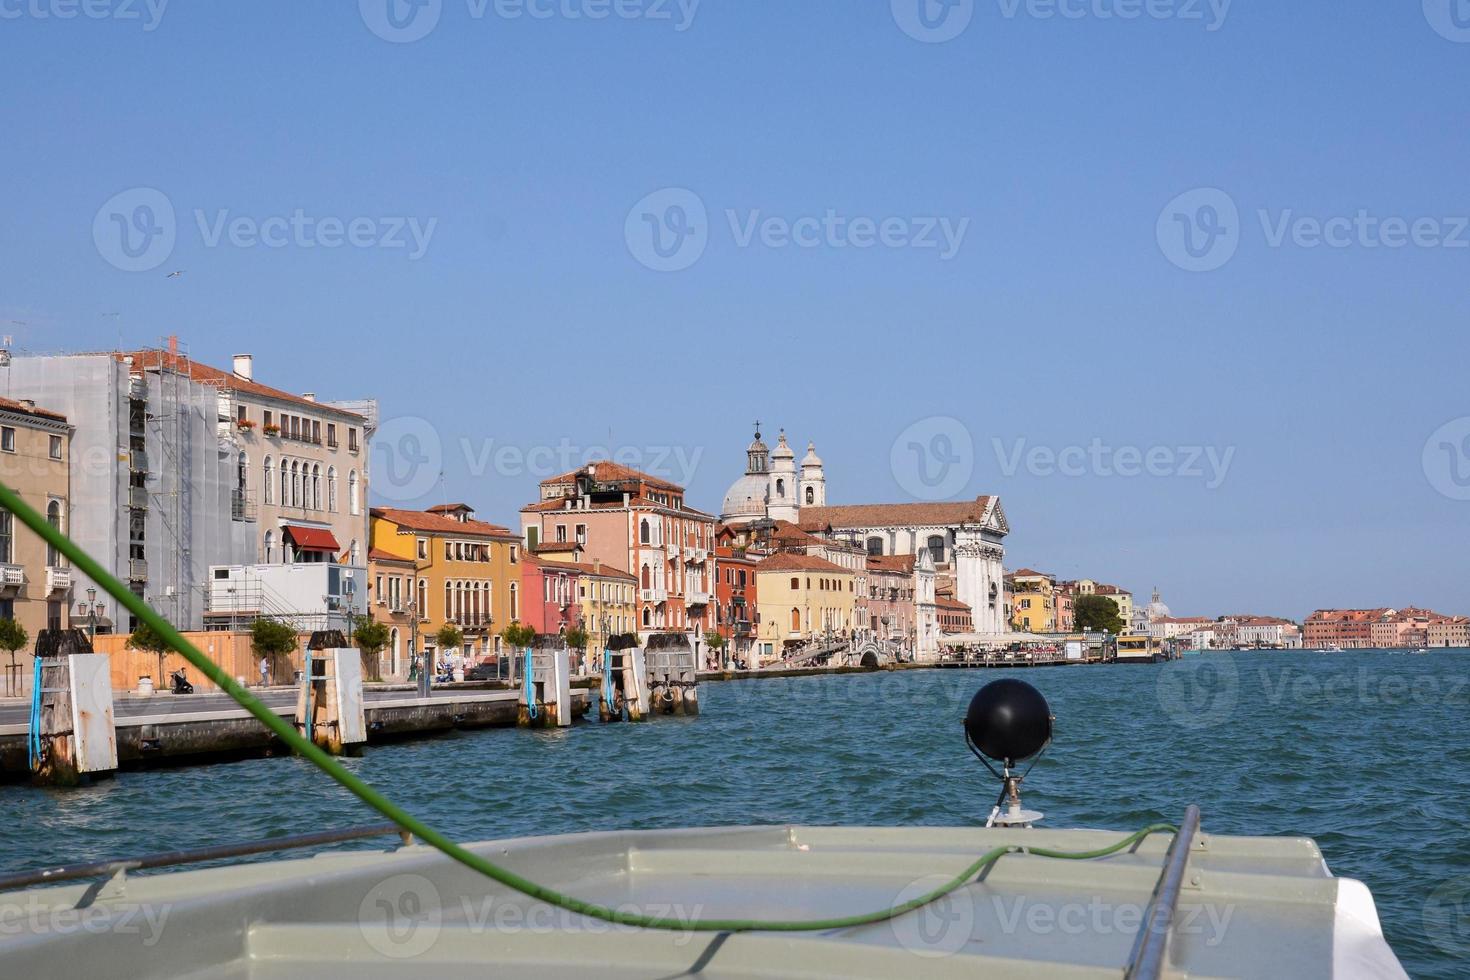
(312, 538)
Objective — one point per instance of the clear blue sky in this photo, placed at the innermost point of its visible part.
(529, 320)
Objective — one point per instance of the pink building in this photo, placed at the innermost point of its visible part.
(891, 608)
(549, 596)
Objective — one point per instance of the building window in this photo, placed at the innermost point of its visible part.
(268, 416)
(316, 487)
(7, 537)
(875, 546)
(644, 535)
(561, 533)
(7, 438)
(423, 610)
(936, 548)
(780, 488)
(285, 485)
(332, 489)
(331, 435)
(811, 495)
(352, 438)
(354, 505)
(270, 547)
(269, 480)
(515, 601)
(56, 447)
(316, 432)
(423, 549)
(53, 517)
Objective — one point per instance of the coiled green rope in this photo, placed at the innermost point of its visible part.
(363, 791)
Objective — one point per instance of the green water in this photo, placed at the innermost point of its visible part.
(1365, 751)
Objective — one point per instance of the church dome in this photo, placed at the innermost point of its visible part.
(746, 499)
(1156, 608)
(811, 458)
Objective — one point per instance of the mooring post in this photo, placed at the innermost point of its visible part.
(635, 684)
(72, 731)
(329, 704)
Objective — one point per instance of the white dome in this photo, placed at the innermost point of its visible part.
(811, 458)
(746, 498)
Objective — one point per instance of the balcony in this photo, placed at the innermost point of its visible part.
(654, 595)
(138, 498)
(697, 555)
(694, 598)
(12, 576)
(58, 579)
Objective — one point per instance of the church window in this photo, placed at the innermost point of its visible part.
(811, 495)
(875, 546)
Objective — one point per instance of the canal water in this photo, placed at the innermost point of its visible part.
(1367, 752)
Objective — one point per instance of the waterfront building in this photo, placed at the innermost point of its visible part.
(467, 573)
(1035, 601)
(1122, 598)
(954, 616)
(892, 610)
(964, 539)
(1202, 638)
(926, 608)
(801, 598)
(1168, 627)
(787, 537)
(35, 579)
(737, 596)
(607, 595)
(1262, 631)
(625, 518)
(1065, 598)
(550, 595)
(1448, 631)
(1350, 629)
(392, 581)
(175, 453)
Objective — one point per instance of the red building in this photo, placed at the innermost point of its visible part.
(736, 618)
(549, 595)
(954, 616)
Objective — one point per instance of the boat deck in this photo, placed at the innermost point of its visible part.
(1247, 907)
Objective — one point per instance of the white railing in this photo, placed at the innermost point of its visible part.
(58, 579)
(11, 575)
(655, 595)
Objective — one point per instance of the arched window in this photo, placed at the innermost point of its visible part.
(353, 553)
(647, 620)
(393, 645)
(269, 480)
(270, 547)
(647, 577)
(936, 548)
(316, 487)
(811, 495)
(285, 484)
(332, 489)
(353, 503)
(780, 487)
(423, 603)
(644, 535)
(875, 545)
(295, 484)
(515, 601)
(448, 600)
(53, 517)
(796, 620)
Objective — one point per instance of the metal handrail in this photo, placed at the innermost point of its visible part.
(1146, 962)
(72, 872)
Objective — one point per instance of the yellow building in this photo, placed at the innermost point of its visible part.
(608, 595)
(1034, 602)
(35, 581)
(800, 597)
(1121, 598)
(464, 572)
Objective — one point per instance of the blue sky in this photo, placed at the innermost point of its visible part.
(521, 148)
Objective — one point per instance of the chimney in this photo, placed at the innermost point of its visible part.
(597, 566)
(28, 404)
(309, 395)
(245, 366)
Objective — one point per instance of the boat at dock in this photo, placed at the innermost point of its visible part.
(1139, 648)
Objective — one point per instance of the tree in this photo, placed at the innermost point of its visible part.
(1097, 612)
(449, 637)
(518, 635)
(576, 638)
(372, 639)
(147, 638)
(272, 639)
(715, 642)
(13, 637)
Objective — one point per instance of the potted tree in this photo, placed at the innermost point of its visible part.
(147, 638)
(372, 639)
(13, 637)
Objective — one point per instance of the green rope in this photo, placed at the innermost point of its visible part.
(287, 733)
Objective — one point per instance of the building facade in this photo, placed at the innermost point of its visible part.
(466, 573)
(802, 598)
(392, 581)
(608, 596)
(632, 520)
(891, 605)
(737, 598)
(550, 595)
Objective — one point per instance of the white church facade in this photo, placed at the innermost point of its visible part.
(963, 539)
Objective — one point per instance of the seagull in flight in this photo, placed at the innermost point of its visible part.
(175, 274)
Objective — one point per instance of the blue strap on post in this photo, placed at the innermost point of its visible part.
(607, 680)
(530, 687)
(34, 741)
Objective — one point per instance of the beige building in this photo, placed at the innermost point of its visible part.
(35, 581)
(801, 597)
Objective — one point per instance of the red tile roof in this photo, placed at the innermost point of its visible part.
(11, 405)
(144, 359)
(421, 520)
(379, 555)
(606, 471)
(795, 562)
(1029, 573)
(945, 602)
(556, 547)
(897, 515)
(891, 563)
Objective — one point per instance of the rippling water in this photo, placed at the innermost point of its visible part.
(1367, 752)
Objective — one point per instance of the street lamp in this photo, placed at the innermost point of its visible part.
(91, 609)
